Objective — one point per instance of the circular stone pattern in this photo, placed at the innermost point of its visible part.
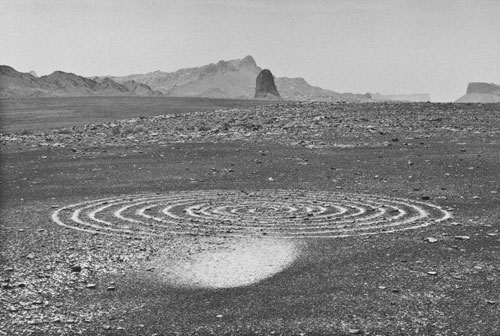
(270, 213)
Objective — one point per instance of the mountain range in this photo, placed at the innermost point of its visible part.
(230, 79)
(233, 79)
(15, 84)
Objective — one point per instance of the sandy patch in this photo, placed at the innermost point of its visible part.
(224, 265)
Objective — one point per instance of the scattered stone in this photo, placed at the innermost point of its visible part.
(426, 198)
(431, 239)
(91, 286)
(462, 237)
(432, 273)
(354, 331)
(76, 268)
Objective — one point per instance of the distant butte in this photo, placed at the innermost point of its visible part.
(479, 92)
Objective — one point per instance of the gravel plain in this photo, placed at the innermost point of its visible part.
(440, 279)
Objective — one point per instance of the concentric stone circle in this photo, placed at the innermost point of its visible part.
(238, 213)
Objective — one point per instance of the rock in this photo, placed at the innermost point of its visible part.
(265, 86)
(462, 237)
(76, 268)
(91, 286)
(431, 239)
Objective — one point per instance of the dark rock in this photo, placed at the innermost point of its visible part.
(76, 268)
(265, 86)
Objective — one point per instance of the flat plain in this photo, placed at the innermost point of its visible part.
(291, 218)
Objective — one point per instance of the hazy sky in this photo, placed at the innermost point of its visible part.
(386, 46)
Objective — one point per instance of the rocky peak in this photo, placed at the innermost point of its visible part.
(265, 86)
(248, 62)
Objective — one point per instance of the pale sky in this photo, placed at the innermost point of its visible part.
(385, 46)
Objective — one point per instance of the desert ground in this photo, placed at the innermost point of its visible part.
(132, 217)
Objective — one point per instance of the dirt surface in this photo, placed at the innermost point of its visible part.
(442, 278)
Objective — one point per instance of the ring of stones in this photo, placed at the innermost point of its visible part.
(271, 213)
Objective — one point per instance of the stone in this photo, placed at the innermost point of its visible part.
(265, 87)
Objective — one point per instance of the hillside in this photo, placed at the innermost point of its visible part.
(15, 84)
(478, 92)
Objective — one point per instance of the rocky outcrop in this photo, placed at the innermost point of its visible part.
(478, 92)
(265, 88)
(14, 84)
